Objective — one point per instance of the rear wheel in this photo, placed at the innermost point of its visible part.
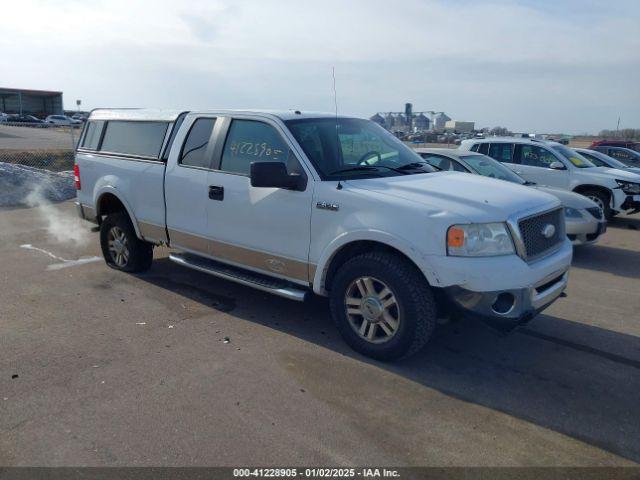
(602, 200)
(121, 247)
(382, 306)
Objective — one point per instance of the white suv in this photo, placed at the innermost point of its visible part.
(555, 165)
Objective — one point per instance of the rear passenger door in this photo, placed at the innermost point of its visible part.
(263, 229)
(186, 185)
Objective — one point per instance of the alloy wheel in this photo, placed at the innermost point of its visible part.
(372, 310)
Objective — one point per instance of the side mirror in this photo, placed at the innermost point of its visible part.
(557, 166)
(274, 175)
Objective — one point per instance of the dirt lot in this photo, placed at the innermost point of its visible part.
(104, 368)
(27, 138)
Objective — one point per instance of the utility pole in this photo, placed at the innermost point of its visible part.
(618, 127)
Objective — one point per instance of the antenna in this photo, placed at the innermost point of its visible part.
(335, 103)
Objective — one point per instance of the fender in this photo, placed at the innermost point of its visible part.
(379, 236)
(100, 190)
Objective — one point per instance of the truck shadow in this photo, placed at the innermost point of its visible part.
(573, 378)
(617, 261)
(625, 222)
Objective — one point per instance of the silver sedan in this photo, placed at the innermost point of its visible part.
(584, 219)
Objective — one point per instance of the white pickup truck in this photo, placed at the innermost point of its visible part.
(293, 203)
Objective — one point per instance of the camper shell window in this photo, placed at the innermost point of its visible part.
(134, 138)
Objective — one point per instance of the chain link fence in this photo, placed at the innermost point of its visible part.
(36, 163)
(48, 147)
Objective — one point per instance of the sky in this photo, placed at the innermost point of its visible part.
(543, 66)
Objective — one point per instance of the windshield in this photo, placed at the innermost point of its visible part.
(574, 157)
(598, 161)
(352, 148)
(489, 167)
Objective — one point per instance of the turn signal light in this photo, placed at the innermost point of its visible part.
(455, 237)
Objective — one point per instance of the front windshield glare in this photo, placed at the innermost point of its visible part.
(354, 148)
(489, 167)
(574, 157)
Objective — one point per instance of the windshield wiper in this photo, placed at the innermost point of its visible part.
(366, 168)
(529, 183)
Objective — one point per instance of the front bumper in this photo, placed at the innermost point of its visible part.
(584, 231)
(632, 202)
(507, 308)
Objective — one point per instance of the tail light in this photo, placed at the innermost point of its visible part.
(76, 176)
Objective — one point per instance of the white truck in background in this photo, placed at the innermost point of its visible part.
(294, 203)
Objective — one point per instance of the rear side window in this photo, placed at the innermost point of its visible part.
(91, 139)
(194, 150)
(503, 152)
(134, 138)
(482, 148)
(251, 141)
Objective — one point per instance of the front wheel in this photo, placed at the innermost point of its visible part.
(121, 247)
(382, 306)
(602, 200)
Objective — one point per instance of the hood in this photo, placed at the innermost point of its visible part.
(567, 199)
(635, 170)
(614, 173)
(474, 197)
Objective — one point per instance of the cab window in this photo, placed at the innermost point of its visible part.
(194, 150)
(252, 141)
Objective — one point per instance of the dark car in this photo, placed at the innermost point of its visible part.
(628, 156)
(615, 143)
(25, 119)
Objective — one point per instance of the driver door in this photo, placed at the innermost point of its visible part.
(262, 229)
(533, 163)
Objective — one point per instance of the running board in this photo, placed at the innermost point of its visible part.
(241, 276)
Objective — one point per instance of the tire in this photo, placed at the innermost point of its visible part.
(121, 247)
(411, 316)
(602, 199)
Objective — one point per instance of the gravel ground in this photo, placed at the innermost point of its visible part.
(23, 185)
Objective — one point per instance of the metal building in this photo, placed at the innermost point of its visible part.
(38, 103)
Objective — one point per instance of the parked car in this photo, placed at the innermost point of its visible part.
(627, 156)
(293, 203)
(599, 159)
(25, 119)
(81, 117)
(616, 143)
(61, 120)
(4, 117)
(556, 165)
(584, 219)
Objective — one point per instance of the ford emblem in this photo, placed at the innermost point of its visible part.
(548, 230)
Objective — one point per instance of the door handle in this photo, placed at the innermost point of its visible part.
(216, 192)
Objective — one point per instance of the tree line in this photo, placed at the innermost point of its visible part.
(626, 133)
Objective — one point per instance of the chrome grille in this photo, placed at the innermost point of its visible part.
(596, 212)
(536, 244)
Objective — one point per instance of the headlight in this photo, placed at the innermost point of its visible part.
(629, 187)
(572, 213)
(479, 240)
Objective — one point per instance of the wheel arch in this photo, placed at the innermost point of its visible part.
(349, 245)
(109, 201)
(581, 189)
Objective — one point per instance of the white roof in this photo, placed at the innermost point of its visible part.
(171, 115)
(454, 152)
